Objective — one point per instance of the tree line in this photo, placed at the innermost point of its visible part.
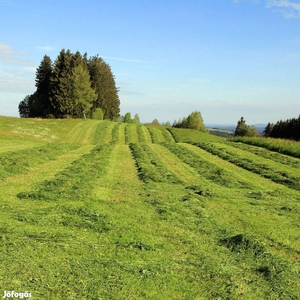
(73, 86)
(289, 129)
(193, 121)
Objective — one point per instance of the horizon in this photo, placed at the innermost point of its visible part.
(226, 59)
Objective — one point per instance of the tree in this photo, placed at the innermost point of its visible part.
(38, 104)
(82, 94)
(136, 119)
(97, 114)
(103, 82)
(127, 118)
(43, 75)
(155, 122)
(73, 86)
(24, 108)
(268, 129)
(60, 87)
(195, 121)
(252, 131)
(241, 128)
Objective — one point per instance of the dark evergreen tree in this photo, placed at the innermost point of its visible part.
(60, 85)
(74, 86)
(289, 129)
(103, 82)
(241, 128)
(43, 107)
(43, 75)
(268, 129)
(24, 107)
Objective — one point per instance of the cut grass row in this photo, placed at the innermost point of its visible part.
(244, 246)
(206, 168)
(149, 165)
(272, 155)
(16, 162)
(287, 147)
(95, 230)
(278, 173)
(168, 242)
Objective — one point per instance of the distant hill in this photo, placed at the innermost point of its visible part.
(231, 127)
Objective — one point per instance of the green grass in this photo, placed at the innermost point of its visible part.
(121, 211)
(287, 147)
(181, 135)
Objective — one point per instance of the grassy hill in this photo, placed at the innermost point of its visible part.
(104, 210)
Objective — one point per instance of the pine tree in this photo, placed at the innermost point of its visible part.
(74, 86)
(241, 128)
(42, 104)
(60, 88)
(268, 130)
(24, 107)
(103, 82)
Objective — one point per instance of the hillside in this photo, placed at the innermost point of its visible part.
(104, 210)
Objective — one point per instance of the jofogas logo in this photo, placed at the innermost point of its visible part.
(13, 294)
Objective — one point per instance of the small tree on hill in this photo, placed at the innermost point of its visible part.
(195, 121)
(241, 128)
(252, 131)
(127, 118)
(136, 119)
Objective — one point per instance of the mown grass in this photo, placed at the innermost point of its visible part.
(287, 147)
(14, 162)
(185, 135)
(36, 129)
(107, 220)
(256, 164)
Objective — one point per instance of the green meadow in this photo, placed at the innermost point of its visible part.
(105, 210)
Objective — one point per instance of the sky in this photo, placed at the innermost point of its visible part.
(224, 58)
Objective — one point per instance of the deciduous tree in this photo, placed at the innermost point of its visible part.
(82, 94)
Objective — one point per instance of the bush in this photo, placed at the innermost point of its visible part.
(97, 114)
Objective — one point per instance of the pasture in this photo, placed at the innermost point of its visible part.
(104, 210)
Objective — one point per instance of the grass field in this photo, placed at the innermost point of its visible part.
(103, 210)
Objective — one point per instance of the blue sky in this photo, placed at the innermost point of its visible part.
(224, 58)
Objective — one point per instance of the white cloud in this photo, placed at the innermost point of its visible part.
(17, 71)
(16, 80)
(45, 48)
(10, 57)
(285, 7)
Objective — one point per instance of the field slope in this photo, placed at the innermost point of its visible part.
(104, 210)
